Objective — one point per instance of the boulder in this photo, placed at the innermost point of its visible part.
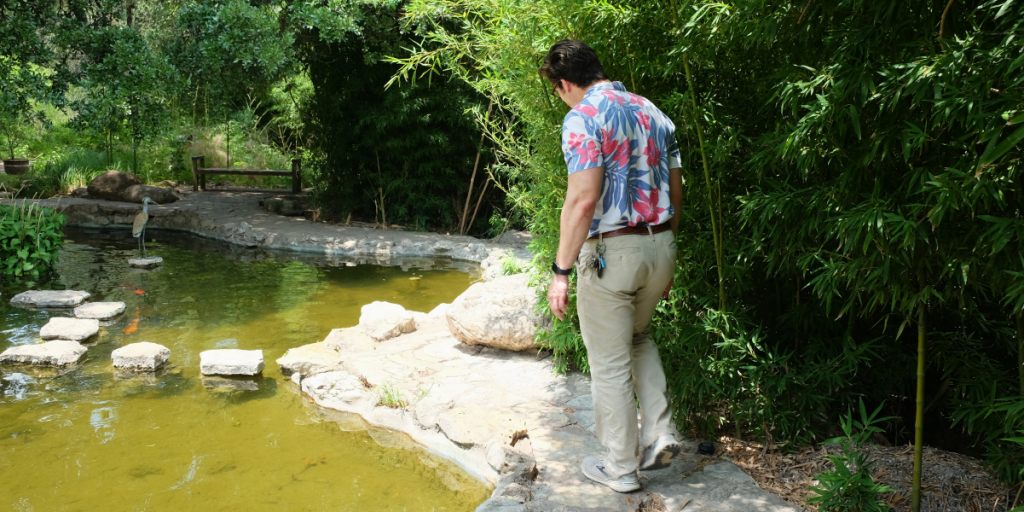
(310, 360)
(51, 353)
(231, 362)
(136, 193)
(111, 185)
(283, 206)
(140, 356)
(441, 311)
(99, 310)
(49, 298)
(229, 384)
(384, 320)
(80, 192)
(498, 314)
(74, 329)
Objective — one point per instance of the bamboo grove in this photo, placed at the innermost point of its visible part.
(852, 228)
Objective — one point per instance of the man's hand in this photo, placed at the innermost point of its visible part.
(558, 296)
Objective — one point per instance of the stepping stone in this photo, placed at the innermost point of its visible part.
(49, 299)
(231, 362)
(143, 356)
(150, 262)
(75, 329)
(99, 310)
(51, 353)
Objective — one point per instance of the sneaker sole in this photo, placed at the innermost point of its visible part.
(663, 458)
(615, 486)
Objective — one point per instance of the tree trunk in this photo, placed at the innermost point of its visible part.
(915, 494)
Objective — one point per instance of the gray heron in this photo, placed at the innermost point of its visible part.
(139, 226)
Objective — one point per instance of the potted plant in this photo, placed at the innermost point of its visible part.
(14, 133)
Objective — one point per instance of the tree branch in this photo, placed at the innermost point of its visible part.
(942, 24)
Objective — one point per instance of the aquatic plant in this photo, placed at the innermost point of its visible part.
(30, 237)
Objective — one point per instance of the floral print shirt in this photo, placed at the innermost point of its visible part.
(636, 144)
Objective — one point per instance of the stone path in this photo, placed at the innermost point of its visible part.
(235, 216)
(466, 403)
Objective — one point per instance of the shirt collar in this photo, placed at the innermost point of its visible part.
(605, 86)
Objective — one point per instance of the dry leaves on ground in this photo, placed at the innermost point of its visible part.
(951, 481)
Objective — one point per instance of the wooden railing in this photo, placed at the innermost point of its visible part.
(199, 172)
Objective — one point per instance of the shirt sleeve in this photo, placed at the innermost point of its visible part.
(672, 149)
(581, 143)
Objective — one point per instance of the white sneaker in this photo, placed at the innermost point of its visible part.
(659, 454)
(593, 468)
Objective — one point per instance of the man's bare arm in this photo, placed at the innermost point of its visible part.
(577, 213)
(675, 195)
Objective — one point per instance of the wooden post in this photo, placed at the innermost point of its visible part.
(202, 177)
(296, 175)
(195, 173)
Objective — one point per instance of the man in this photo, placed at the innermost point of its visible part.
(618, 225)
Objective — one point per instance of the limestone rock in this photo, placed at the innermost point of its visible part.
(498, 314)
(74, 329)
(310, 360)
(149, 262)
(384, 320)
(52, 353)
(99, 310)
(441, 311)
(140, 356)
(136, 193)
(283, 206)
(80, 192)
(50, 298)
(231, 362)
(111, 185)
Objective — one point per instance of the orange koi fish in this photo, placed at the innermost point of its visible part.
(133, 325)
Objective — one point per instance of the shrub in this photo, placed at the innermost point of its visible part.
(30, 237)
(849, 487)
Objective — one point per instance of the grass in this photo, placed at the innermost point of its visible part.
(389, 396)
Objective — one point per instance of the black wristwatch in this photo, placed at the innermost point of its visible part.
(559, 270)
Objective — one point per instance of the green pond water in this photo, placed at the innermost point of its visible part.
(92, 439)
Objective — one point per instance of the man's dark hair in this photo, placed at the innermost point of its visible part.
(573, 61)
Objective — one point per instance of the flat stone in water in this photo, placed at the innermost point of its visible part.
(50, 298)
(231, 362)
(140, 356)
(75, 329)
(149, 262)
(99, 310)
(52, 353)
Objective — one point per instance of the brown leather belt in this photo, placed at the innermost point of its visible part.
(635, 230)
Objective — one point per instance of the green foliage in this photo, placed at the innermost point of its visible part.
(30, 237)
(511, 265)
(863, 173)
(849, 487)
(402, 154)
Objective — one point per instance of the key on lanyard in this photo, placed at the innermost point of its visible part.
(600, 260)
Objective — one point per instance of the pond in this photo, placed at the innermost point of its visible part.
(91, 439)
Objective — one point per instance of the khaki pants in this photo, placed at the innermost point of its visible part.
(615, 311)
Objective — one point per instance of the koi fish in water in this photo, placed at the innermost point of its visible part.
(133, 325)
(132, 288)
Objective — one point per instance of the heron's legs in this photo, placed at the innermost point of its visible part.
(143, 238)
(140, 246)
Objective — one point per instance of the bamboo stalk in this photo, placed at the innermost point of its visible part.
(478, 201)
(1020, 351)
(472, 179)
(715, 229)
(915, 493)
